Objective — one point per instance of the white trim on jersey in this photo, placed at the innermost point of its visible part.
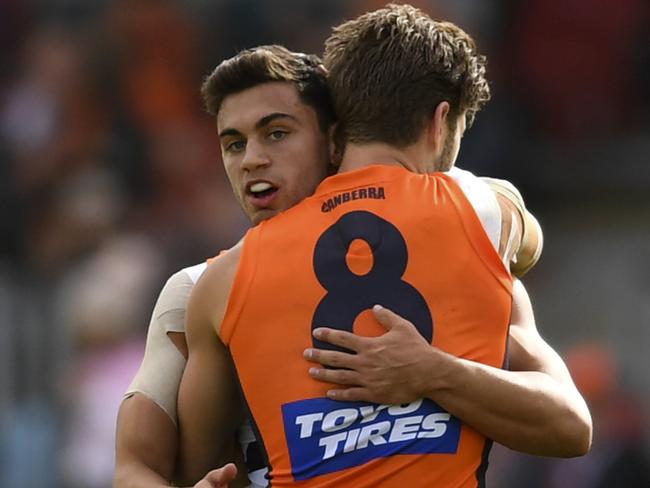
(195, 272)
(483, 200)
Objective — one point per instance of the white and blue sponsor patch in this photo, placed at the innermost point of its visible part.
(325, 436)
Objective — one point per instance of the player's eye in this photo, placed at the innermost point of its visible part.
(236, 146)
(278, 134)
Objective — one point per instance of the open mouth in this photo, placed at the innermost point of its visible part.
(262, 192)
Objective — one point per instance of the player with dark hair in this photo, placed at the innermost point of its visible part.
(147, 423)
(389, 229)
(288, 129)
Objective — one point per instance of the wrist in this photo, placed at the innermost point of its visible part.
(435, 371)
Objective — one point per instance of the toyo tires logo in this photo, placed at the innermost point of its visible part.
(326, 436)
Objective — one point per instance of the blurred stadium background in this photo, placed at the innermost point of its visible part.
(110, 180)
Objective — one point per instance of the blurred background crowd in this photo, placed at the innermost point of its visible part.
(110, 180)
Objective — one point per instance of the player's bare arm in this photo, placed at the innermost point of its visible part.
(147, 436)
(537, 410)
(146, 444)
(209, 408)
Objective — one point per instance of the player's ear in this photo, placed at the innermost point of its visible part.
(337, 144)
(437, 127)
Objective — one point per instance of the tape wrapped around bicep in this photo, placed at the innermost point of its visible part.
(530, 249)
(162, 366)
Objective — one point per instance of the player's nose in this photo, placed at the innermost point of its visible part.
(255, 157)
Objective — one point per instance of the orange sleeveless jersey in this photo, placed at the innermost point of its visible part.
(378, 235)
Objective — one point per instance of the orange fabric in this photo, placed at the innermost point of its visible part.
(280, 290)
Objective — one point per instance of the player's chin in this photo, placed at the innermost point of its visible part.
(262, 214)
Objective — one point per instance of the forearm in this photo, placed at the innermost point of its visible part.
(527, 411)
(146, 445)
(197, 454)
(209, 413)
(136, 475)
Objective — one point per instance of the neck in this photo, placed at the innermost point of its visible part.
(358, 156)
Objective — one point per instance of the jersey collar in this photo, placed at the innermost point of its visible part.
(359, 177)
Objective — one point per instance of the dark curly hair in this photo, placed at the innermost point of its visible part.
(265, 64)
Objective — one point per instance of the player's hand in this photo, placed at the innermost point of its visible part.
(218, 478)
(388, 369)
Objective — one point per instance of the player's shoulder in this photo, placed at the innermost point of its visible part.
(175, 293)
(487, 193)
(221, 270)
(464, 177)
(182, 280)
(506, 189)
(193, 273)
(482, 199)
(178, 287)
(226, 259)
(513, 207)
(190, 275)
(461, 175)
(209, 298)
(477, 189)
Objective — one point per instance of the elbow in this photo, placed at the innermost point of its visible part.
(577, 435)
(118, 480)
(583, 446)
(126, 475)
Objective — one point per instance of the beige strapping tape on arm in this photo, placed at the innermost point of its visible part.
(532, 241)
(162, 367)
